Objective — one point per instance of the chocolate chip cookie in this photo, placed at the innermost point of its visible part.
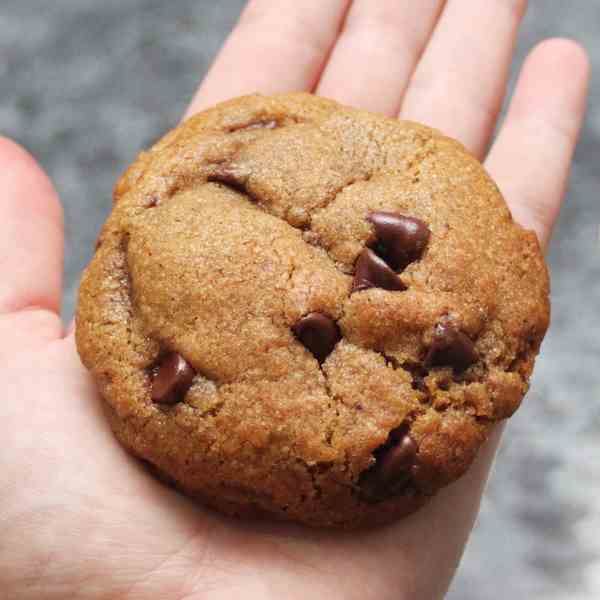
(308, 311)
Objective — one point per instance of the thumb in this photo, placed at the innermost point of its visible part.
(31, 248)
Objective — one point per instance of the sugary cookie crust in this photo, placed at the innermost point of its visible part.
(251, 216)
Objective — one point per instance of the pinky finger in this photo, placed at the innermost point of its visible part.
(531, 157)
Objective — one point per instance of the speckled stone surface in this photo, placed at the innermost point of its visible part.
(86, 84)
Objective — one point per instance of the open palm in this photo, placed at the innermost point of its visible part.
(79, 518)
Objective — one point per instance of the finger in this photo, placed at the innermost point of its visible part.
(531, 158)
(276, 47)
(377, 51)
(459, 84)
(31, 234)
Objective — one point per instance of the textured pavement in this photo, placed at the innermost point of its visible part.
(86, 84)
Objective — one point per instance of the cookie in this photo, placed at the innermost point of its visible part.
(311, 312)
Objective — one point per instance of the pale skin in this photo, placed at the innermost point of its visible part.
(79, 518)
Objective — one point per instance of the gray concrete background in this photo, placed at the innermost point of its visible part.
(85, 84)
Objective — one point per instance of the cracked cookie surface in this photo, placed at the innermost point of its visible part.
(309, 311)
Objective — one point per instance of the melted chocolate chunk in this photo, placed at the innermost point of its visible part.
(400, 239)
(451, 348)
(171, 379)
(371, 271)
(319, 333)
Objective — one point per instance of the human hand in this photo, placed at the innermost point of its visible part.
(79, 518)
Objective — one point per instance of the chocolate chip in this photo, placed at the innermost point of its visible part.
(319, 333)
(392, 472)
(171, 379)
(450, 348)
(400, 239)
(371, 271)
(395, 464)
